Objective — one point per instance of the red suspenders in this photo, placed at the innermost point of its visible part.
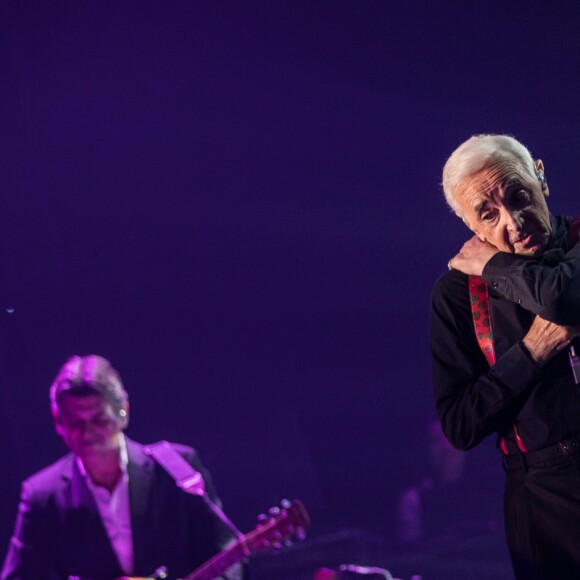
(482, 322)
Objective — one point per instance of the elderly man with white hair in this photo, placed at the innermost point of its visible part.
(503, 328)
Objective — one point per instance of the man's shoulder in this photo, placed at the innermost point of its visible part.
(48, 479)
(452, 285)
(183, 450)
(57, 469)
(451, 302)
(141, 454)
(189, 453)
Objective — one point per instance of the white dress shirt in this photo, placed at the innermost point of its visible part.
(115, 510)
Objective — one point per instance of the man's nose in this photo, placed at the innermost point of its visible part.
(513, 220)
(87, 426)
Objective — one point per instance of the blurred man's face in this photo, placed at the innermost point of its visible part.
(88, 425)
(506, 207)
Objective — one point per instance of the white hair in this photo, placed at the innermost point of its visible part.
(478, 153)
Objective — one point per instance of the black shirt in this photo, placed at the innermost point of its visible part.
(474, 400)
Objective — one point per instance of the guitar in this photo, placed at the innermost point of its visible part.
(281, 525)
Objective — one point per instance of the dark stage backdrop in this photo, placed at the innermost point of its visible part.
(238, 204)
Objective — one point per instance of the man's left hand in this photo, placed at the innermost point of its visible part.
(473, 257)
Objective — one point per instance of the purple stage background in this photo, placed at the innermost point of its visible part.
(238, 204)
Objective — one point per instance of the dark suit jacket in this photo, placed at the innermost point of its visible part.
(59, 532)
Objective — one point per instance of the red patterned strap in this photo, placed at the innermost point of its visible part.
(480, 313)
(479, 298)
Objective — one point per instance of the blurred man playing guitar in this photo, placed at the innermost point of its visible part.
(108, 509)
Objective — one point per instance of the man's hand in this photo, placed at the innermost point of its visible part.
(546, 339)
(473, 256)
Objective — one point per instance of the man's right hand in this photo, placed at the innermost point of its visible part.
(473, 257)
(546, 339)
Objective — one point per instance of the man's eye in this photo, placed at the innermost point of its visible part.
(520, 198)
(488, 216)
(101, 421)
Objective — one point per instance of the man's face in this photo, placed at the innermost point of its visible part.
(88, 425)
(506, 207)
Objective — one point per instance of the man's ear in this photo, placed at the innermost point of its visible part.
(539, 165)
(124, 415)
(56, 422)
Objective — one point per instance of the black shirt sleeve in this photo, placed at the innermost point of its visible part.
(547, 287)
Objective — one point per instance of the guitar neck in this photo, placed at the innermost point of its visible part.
(221, 562)
(280, 526)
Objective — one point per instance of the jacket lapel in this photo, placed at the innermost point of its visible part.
(140, 470)
(85, 527)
